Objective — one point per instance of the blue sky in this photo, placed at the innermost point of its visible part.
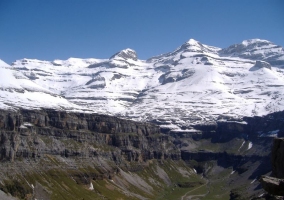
(59, 29)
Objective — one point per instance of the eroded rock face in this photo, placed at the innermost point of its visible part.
(29, 134)
(277, 158)
(125, 54)
(275, 185)
(260, 64)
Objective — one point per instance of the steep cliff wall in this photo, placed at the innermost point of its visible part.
(31, 133)
(98, 147)
(242, 147)
(275, 185)
(277, 158)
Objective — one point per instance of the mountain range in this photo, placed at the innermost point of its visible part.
(195, 83)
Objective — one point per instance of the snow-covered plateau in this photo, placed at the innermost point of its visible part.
(196, 83)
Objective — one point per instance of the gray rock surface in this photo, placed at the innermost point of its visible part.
(260, 64)
(125, 54)
(22, 136)
(277, 158)
(273, 185)
(4, 196)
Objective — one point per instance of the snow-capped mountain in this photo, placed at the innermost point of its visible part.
(256, 49)
(19, 91)
(194, 83)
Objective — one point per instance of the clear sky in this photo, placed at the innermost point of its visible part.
(59, 29)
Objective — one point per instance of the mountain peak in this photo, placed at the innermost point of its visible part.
(192, 42)
(193, 45)
(254, 41)
(125, 54)
(256, 49)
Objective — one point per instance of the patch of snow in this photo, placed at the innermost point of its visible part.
(3, 64)
(192, 42)
(27, 124)
(187, 131)
(249, 145)
(253, 181)
(91, 186)
(242, 145)
(269, 134)
(261, 195)
(252, 41)
(22, 126)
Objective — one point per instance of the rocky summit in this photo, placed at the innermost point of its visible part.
(197, 122)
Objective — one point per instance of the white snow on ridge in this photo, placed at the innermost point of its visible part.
(194, 83)
(269, 134)
(253, 181)
(242, 145)
(18, 91)
(249, 145)
(253, 41)
(7, 79)
(3, 64)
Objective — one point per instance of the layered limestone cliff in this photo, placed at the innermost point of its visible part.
(23, 135)
(44, 153)
(39, 145)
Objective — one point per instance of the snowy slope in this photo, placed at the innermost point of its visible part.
(195, 83)
(256, 49)
(18, 91)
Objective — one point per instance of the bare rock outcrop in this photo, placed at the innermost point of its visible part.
(275, 185)
(277, 158)
(32, 133)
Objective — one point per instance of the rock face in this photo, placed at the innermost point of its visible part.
(65, 137)
(260, 64)
(243, 146)
(125, 54)
(77, 149)
(275, 185)
(23, 134)
(277, 158)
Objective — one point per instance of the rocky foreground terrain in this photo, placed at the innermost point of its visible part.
(49, 154)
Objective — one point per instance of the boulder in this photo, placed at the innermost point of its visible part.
(274, 186)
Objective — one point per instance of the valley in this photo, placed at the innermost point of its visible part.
(61, 153)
